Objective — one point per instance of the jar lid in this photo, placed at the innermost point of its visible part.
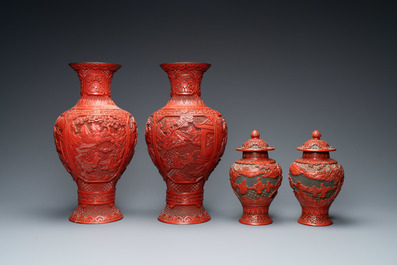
(255, 144)
(315, 144)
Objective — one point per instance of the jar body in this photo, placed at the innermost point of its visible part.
(316, 182)
(255, 183)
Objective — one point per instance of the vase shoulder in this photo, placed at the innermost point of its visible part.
(95, 103)
(187, 111)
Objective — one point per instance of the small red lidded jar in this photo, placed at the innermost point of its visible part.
(316, 180)
(255, 180)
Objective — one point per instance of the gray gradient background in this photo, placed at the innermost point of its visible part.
(283, 68)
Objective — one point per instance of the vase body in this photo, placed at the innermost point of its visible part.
(255, 180)
(185, 140)
(316, 180)
(95, 141)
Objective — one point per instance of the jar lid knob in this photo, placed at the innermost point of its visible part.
(316, 135)
(255, 134)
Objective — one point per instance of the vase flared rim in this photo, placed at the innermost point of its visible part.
(184, 63)
(95, 63)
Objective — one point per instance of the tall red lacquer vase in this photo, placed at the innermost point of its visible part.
(95, 141)
(186, 140)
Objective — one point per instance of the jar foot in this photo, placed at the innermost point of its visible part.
(255, 215)
(315, 216)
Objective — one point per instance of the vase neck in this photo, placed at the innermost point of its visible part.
(95, 79)
(185, 79)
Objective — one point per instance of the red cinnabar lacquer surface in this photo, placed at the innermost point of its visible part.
(255, 180)
(95, 141)
(185, 140)
(316, 180)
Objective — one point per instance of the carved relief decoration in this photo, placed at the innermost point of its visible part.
(95, 141)
(185, 140)
(316, 180)
(255, 180)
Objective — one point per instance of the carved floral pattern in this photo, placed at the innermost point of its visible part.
(95, 84)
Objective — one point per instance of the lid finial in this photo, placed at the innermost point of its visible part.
(255, 134)
(316, 134)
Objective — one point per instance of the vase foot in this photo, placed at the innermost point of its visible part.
(315, 217)
(184, 215)
(96, 214)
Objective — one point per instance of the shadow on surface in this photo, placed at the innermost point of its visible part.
(279, 219)
(51, 213)
(140, 213)
(344, 220)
